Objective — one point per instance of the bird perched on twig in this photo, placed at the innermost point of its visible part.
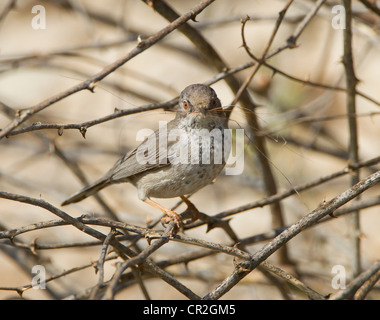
(185, 157)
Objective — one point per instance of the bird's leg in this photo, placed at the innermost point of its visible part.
(192, 208)
(170, 213)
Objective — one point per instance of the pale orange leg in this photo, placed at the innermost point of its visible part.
(170, 213)
(192, 208)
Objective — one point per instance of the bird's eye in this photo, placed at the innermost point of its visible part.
(214, 103)
(186, 105)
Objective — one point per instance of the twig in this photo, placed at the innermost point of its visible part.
(146, 232)
(269, 180)
(83, 127)
(90, 84)
(100, 268)
(123, 250)
(140, 264)
(100, 265)
(367, 286)
(356, 205)
(355, 284)
(292, 40)
(140, 258)
(295, 190)
(244, 255)
(309, 82)
(310, 219)
(246, 101)
(311, 294)
(371, 6)
(21, 289)
(260, 61)
(25, 257)
(351, 82)
(73, 166)
(214, 247)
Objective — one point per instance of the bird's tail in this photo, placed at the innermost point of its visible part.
(87, 191)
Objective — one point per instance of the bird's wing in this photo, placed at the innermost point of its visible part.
(149, 155)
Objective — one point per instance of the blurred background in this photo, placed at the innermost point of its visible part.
(305, 126)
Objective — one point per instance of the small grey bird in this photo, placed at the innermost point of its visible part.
(180, 160)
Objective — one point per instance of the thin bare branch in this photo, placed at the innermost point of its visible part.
(92, 82)
(313, 217)
(357, 283)
(353, 149)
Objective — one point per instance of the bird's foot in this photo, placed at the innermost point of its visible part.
(171, 216)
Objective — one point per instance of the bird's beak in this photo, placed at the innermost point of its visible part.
(203, 111)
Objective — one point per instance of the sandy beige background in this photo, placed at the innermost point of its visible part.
(29, 166)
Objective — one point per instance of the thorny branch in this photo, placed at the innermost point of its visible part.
(92, 82)
(250, 261)
(136, 261)
(353, 151)
(313, 217)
